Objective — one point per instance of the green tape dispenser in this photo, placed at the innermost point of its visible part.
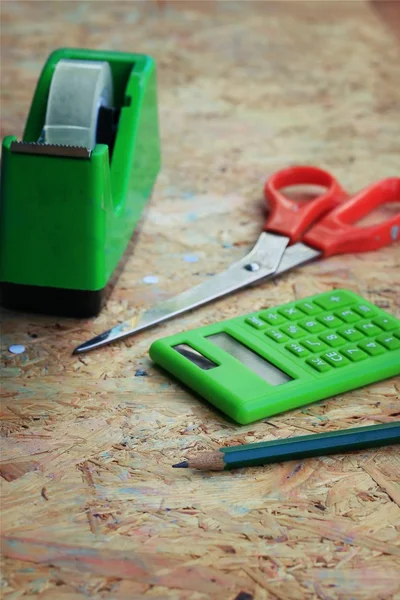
(73, 190)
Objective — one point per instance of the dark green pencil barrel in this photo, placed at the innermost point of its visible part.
(307, 446)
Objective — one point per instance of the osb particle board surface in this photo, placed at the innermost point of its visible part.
(91, 506)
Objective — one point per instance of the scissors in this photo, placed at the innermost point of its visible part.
(295, 233)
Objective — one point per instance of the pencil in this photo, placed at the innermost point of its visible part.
(318, 444)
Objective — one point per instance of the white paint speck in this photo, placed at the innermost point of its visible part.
(16, 349)
(150, 279)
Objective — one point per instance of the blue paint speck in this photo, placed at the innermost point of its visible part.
(190, 258)
(130, 490)
(191, 217)
(141, 373)
(394, 233)
(16, 349)
(241, 510)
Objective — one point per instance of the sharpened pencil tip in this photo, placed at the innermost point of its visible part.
(182, 465)
(85, 347)
(78, 350)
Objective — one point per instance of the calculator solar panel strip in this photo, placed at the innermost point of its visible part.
(264, 363)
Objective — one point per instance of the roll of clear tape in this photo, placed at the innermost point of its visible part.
(77, 91)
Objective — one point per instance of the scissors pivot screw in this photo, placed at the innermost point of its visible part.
(252, 267)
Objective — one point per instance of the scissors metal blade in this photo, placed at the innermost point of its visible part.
(294, 256)
(261, 262)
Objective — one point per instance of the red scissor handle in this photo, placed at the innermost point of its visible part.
(336, 234)
(291, 218)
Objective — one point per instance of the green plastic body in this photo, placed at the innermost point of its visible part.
(246, 397)
(66, 222)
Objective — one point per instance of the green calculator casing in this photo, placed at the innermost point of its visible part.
(320, 346)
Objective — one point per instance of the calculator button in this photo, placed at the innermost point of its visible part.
(332, 339)
(364, 310)
(373, 348)
(294, 331)
(277, 335)
(389, 341)
(333, 300)
(386, 323)
(330, 321)
(369, 329)
(290, 312)
(256, 322)
(273, 318)
(354, 354)
(347, 315)
(308, 308)
(312, 326)
(335, 359)
(351, 334)
(314, 345)
(318, 364)
(297, 349)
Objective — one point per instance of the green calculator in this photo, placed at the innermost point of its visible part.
(274, 360)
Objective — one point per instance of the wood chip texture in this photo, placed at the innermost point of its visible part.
(90, 504)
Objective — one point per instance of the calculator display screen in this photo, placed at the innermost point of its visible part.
(253, 361)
